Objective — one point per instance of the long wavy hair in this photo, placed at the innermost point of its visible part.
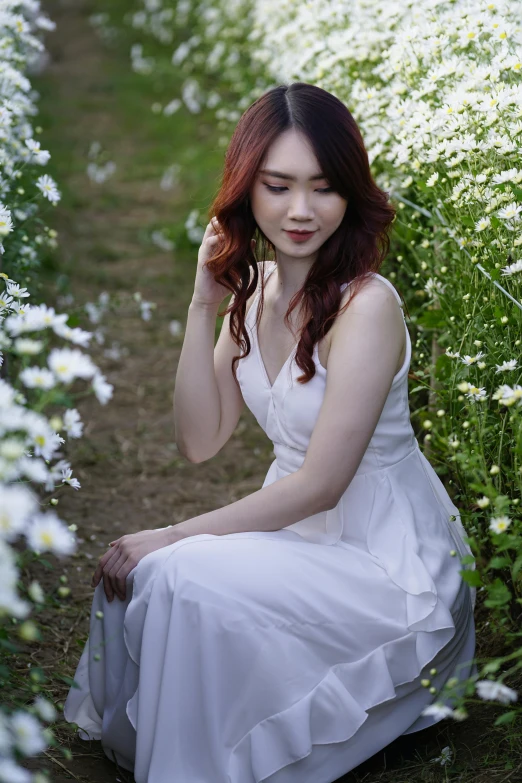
(359, 244)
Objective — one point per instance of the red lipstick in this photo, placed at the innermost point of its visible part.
(300, 236)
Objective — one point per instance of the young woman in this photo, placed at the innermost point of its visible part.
(284, 637)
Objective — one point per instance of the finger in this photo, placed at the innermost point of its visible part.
(122, 575)
(113, 576)
(99, 569)
(107, 586)
(104, 561)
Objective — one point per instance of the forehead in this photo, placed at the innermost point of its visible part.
(292, 153)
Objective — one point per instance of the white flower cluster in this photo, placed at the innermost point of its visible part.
(34, 376)
(434, 86)
(28, 441)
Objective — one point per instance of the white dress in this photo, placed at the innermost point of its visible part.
(288, 656)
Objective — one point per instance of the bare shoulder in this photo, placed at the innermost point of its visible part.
(374, 307)
(373, 298)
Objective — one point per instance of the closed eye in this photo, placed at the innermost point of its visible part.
(275, 189)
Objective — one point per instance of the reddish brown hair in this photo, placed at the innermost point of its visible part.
(358, 246)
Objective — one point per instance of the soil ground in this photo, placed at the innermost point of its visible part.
(131, 473)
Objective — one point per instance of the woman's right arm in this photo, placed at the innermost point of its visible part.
(207, 399)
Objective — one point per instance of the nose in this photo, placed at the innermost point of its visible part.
(300, 207)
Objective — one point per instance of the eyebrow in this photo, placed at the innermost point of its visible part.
(281, 175)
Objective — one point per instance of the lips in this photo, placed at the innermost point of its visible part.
(300, 236)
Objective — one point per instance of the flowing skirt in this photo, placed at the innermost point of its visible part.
(261, 656)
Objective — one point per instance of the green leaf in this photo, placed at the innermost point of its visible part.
(7, 645)
(498, 594)
(491, 667)
(517, 565)
(499, 562)
(472, 578)
(432, 319)
(507, 717)
(467, 559)
(68, 680)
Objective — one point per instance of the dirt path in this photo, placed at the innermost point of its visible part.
(131, 473)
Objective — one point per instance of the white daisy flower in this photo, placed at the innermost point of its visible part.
(68, 364)
(102, 389)
(48, 533)
(37, 378)
(68, 479)
(45, 709)
(6, 223)
(72, 423)
(27, 347)
(13, 289)
(17, 504)
(499, 524)
(75, 335)
(145, 308)
(35, 318)
(48, 187)
(175, 328)
(452, 354)
(476, 393)
(482, 502)
(55, 474)
(466, 359)
(495, 691)
(5, 301)
(34, 469)
(509, 365)
(45, 440)
(507, 395)
(504, 176)
(27, 733)
(12, 448)
(510, 212)
(482, 224)
(511, 269)
(432, 180)
(438, 710)
(10, 772)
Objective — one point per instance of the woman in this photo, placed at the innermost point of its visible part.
(284, 637)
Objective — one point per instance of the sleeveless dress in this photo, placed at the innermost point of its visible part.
(287, 656)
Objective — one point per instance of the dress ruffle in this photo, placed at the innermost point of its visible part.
(338, 705)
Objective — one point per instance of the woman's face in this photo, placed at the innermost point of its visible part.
(301, 200)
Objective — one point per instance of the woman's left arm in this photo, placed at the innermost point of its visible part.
(285, 501)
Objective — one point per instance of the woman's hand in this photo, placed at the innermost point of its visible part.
(124, 555)
(206, 290)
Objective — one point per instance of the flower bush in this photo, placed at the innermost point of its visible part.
(44, 369)
(436, 89)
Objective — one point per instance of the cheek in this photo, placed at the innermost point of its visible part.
(264, 208)
(334, 212)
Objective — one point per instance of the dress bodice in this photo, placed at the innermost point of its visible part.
(287, 410)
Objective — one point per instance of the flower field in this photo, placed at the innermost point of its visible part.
(95, 207)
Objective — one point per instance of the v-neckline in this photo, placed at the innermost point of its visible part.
(258, 349)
